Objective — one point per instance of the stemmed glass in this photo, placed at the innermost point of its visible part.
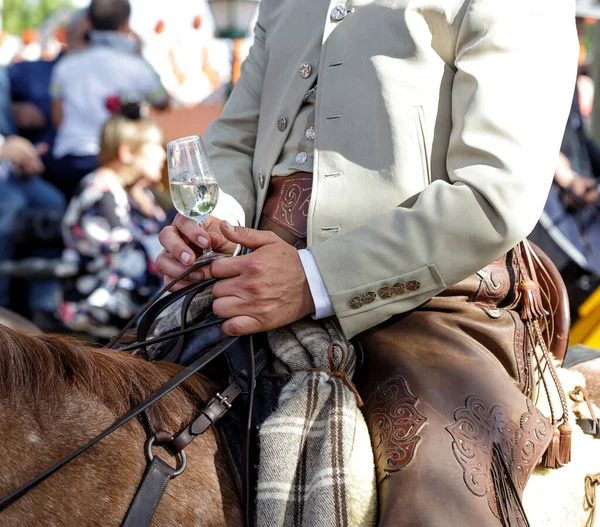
(194, 189)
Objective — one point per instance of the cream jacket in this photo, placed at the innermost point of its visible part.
(438, 125)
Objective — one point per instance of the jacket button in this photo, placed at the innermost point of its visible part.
(281, 124)
(386, 291)
(369, 297)
(305, 70)
(310, 133)
(338, 13)
(399, 288)
(261, 180)
(356, 302)
(413, 285)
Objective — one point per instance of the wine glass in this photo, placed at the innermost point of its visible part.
(194, 189)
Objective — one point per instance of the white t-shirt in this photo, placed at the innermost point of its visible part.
(84, 80)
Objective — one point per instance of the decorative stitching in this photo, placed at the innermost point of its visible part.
(475, 431)
(394, 424)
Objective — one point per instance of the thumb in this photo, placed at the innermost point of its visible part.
(249, 238)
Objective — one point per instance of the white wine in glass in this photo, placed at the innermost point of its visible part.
(194, 199)
(194, 189)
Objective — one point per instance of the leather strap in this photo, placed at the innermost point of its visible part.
(147, 497)
(209, 415)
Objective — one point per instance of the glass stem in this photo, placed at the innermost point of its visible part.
(209, 249)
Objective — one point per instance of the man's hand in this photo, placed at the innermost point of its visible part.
(263, 290)
(23, 155)
(582, 192)
(184, 241)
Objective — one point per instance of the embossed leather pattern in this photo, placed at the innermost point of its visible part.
(394, 423)
(288, 202)
(494, 287)
(477, 427)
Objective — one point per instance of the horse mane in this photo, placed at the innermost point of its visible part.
(40, 372)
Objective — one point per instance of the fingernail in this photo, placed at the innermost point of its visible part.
(186, 257)
(197, 275)
(228, 226)
(202, 241)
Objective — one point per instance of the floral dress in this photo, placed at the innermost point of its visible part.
(107, 235)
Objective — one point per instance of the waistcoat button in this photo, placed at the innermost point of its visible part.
(338, 13)
(305, 70)
(302, 158)
(261, 180)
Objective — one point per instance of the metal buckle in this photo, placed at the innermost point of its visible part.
(223, 400)
(181, 457)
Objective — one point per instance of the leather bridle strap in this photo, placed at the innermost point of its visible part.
(169, 386)
(147, 497)
(209, 415)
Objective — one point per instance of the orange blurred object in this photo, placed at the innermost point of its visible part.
(197, 22)
(160, 27)
(61, 34)
(582, 55)
(30, 36)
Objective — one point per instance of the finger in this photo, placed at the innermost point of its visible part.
(170, 267)
(229, 307)
(231, 267)
(230, 287)
(242, 325)
(171, 240)
(42, 148)
(191, 230)
(179, 285)
(250, 238)
(221, 244)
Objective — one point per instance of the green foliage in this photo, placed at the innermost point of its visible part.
(22, 14)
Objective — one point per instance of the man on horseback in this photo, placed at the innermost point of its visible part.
(407, 146)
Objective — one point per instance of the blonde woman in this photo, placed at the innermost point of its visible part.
(108, 224)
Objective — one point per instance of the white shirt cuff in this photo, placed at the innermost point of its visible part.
(323, 307)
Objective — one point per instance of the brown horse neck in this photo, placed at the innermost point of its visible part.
(55, 395)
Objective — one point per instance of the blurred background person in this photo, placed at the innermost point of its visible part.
(31, 105)
(569, 228)
(111, 228)
(22, 191)
(84, 83)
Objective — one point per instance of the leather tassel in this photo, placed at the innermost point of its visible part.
(564, 447)
(550, 459)
(532, 308)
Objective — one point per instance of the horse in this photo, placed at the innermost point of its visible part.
(56, 394)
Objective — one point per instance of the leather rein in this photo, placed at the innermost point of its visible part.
(158, 473)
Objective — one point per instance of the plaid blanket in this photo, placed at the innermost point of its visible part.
(316, 438)
(305, 444)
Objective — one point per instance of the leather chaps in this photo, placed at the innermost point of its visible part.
(454, 434)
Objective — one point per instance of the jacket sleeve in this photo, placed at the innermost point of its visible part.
(515, 66)
(230, 139)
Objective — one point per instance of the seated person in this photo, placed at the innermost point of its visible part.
(111, 228)
(21, 189)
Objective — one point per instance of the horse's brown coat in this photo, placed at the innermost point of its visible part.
(55, 395)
